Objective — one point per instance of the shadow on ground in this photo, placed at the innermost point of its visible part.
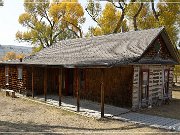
(32, 127)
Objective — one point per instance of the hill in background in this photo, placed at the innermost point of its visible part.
(17, 49)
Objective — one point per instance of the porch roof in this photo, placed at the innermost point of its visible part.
(107, 50)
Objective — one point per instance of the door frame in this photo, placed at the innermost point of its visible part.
(163, 82)
(141, 81)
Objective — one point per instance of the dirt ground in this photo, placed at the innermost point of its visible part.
(171, 110)
(24, 116)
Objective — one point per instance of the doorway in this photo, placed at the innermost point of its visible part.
(69, 79)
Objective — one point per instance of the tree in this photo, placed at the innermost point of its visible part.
(167, 15)
(134, 11)
(141, 15)
(20, 56)
(106, 21)
(48, 23)
(122, 7)
(10, 56)
(69, 14)
(13, 56)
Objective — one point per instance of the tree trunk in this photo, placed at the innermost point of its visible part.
(156, 15)
(119, 24)
(135, 17)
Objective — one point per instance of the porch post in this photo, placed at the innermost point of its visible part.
(77, 89)
(60, 85)
(33, 82)
(45, 83)
(102, 93)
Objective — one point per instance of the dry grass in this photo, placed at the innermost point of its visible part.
(171, 110)
(20, 115)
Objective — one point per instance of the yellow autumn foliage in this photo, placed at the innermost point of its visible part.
(49, 22)
(12, 56)
(108, 21)
(69, 11)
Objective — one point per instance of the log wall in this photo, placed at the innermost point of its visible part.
(38, 80)
(117, 83)
(136, 87)
(156, 74)
(18, 85)
(2, 76)
(122, 84)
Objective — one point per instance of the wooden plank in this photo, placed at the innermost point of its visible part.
(60, 85)
(45, 83)
(102, 93)
(77, 89)
(33, 82)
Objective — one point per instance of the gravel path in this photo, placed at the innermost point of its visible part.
(24, 116)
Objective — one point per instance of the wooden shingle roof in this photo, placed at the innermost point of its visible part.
(107, 50)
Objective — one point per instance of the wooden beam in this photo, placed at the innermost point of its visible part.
(45, 83)
(85, 77)
(60, 85)
(33, 82)
(77, 89)
(102, 93)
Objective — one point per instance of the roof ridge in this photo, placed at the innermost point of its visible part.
(75, 39)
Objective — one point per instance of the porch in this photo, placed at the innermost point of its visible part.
(87, 108)
(77, 84)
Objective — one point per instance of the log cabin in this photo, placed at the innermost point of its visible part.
(132, 69)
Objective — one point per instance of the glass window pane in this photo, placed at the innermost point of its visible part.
(145, 78)
(20, 73)
(166, 75)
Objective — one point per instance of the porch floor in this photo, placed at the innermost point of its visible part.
(87, 108)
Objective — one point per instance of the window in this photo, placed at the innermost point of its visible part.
(20, 72)
(7, 75)
(145, 83)
(166, 82)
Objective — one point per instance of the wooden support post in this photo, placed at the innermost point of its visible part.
(77, 89)
(33, 82)
(102, 93)
(45, 83)
(60, 85)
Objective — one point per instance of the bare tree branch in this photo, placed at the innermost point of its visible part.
(156, 15)
(94, 18)
(78, 28)
(122, 6)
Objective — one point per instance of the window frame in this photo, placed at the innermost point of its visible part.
(166, 83)
(20, 72)
(7, 75)
(147, 90)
